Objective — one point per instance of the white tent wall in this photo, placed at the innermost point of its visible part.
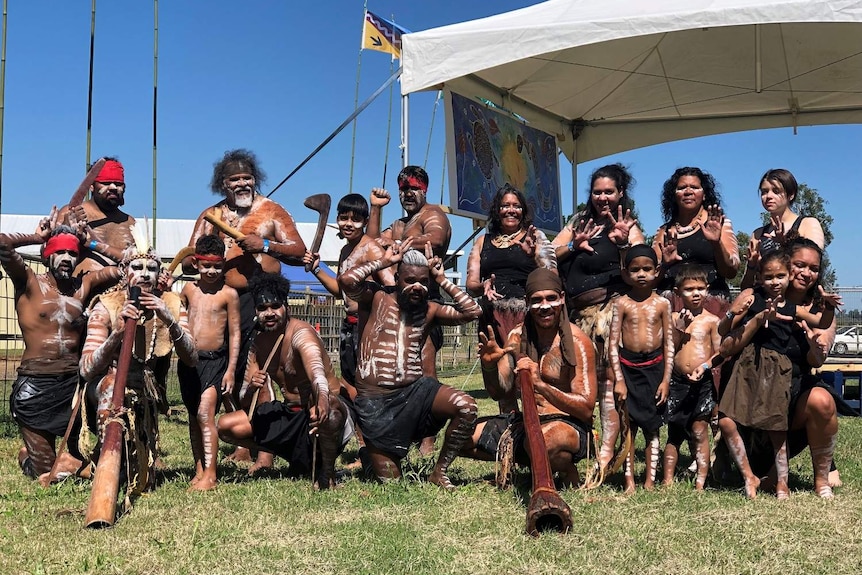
(625, 74)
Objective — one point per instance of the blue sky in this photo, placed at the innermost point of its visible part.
(277, 77)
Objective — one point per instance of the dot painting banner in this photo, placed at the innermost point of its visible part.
(487, 147)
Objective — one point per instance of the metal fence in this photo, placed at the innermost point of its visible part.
(322, 310)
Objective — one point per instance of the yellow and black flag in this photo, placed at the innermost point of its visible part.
(382, 35)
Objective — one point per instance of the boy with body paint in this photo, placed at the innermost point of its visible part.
(213, 311)
(641, 354)
(691, 398)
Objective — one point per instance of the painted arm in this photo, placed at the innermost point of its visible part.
(465, 310)
(286, 245)
(498, 359)
(620, 390)
(727, 251)
(475, 285)
(101, 345)
(307, 343)
(435, 229)
(326, 280)
(234, 340)
(664, 386)
(581, 400)
(14, 264)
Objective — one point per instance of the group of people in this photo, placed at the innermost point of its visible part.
(580, 315)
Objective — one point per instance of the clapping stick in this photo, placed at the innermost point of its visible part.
(265, 367)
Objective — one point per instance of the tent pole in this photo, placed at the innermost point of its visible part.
(574, 179)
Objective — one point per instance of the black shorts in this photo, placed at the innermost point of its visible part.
(689, 401)
(348, 349)
(391, 422)
(43, 403)
(495, 426)
(283, 430)
(194, 381)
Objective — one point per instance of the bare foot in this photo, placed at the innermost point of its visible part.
(570, 477)
(66, 466)
(426, 448)
(239, 455)
(630, 488)
(782, 492)
(649, 485)
(203, 484)
(440, 479)
(835, 479)
(751, 486)
(824, 491)
(195, 480)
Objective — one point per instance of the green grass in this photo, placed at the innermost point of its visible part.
(278, 525)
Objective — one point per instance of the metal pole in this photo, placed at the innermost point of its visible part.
(155, 109)
(90, 85)
(2, 100)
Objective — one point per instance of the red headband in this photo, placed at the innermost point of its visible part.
(413, 183)
(208, 258)
(112, 171)
(68, 242)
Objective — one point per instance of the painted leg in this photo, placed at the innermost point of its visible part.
(385, 467)
(461, 409)
(736, 447)
(779, 444)
(821, 424)
(329, 443)
(208, 437)
(610, 419)
(700, 430)
(197, 448)
(652, 455)
(630, 464)
(37, 455)
(671, 456)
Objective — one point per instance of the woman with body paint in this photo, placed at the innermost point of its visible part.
(589, 250)
(497, 271)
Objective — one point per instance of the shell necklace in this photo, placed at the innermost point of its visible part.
(695, 224)
(506, 240)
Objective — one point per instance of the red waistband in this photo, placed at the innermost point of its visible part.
(351, 319)
(647, 363)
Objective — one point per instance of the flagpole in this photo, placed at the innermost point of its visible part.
(405, 126)
(2, 100)
(90, 84)
(388, 125)
(155, 110)
(356, 95)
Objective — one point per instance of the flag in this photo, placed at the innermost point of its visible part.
(382, 35)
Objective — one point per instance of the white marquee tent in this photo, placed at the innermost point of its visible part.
(607, 76)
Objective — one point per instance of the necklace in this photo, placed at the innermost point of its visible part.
(506, 240)
(152, 349)
(56, 288)
(695, 224)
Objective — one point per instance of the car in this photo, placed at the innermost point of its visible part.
(848, 339)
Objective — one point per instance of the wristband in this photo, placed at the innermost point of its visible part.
(730, 315)
(92, 245)
(624, 246)
(571, 246)
(265, 246)
(706, 366)
(316, 270)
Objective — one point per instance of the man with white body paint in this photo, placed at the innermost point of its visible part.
(561, 361)
(50, 308)
(396, 402)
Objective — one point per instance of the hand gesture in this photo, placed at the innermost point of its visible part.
(741, 304)
(583, 233)
(830, 299)
(525, 363)
(165, 280)
(395, 252)
(699, 372)
(753, 255)
(47, 224)
(778, 232)
(662, 392)
(379, 197)
(258, 379)
(435, 264)
(157, 304)
(251, 244)
(714, 222)
(771, 312)
(529, 242)
(683, 319)
(621, 226)
(668, 248)
(490, 292)
(489, 351)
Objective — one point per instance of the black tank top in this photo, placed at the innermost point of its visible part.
(510, 267)
(585, 271)
(696, 249)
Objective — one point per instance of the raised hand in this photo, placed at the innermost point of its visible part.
(668, 248)
(395, 252)
(683, 319)
(714, 221)
(489, 351)
(311, 260)
(753, 255)
(528, 243)
(583, 233)
(490, 292)
(830, 299)
(621, 226)
(47, 224)
(435, 264)
(379, 197)
(778, 231)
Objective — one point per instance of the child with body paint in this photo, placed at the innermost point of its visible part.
(691, 399)
(757, 395)
(641, 355)
(213, 309)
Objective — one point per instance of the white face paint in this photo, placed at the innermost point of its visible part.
(62, 263)
(692, 293)
(240, 190)
(546, 307)
(144, 273)
(412, 199)
(350, 225)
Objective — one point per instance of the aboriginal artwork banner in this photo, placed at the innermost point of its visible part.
(490, 147)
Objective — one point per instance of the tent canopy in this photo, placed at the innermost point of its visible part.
(607, 76)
